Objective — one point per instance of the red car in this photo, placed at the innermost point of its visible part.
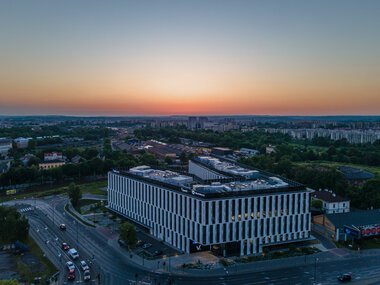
(65, 246)
(71, 275)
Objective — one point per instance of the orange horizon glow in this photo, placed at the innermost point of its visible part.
(249, 57)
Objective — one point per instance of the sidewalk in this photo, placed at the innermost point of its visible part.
(172, 265)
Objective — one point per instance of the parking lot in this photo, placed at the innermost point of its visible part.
(158, 249)
(151, 248)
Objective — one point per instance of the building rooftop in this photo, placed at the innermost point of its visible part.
(228, 167)
(161, 149)
(356, 218)
(5, 141)
(165, 176)
(328, 196)
(237, 186)
(352, 173)
(239, 181)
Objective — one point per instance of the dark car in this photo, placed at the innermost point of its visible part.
(87, 276)
(65, 246)
(71, 275)
(62, 227)
(345, 277)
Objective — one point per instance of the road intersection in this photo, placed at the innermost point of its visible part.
(115, 266)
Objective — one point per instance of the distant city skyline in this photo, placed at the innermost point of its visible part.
(190, 57)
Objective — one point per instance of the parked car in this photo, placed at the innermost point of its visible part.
(70, 265)
(20, 247)
(87, 275)
(157, 253)
(140, 243)
(71, 275)
(73, 253)
(84, 265)
(345, 277)
(65, 246)
(146, 245)
(122, 242)
(62, 227)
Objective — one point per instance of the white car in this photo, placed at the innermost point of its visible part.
(70, 265)
(73, 253)
(86, 275)
(84, 265)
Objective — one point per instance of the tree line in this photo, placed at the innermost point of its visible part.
(13, 226)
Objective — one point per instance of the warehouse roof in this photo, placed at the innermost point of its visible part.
(355, 218)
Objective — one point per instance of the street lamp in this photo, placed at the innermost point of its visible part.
(75, 222)
(225, 270)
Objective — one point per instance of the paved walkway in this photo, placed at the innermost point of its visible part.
(325, 241)
(173, 264)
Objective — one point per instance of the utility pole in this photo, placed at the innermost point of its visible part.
(53, 214)
(75, 222)
(315, 270)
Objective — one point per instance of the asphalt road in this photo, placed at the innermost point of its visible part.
(115, 266)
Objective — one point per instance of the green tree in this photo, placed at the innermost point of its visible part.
(33, 161)
(148, 159)
(370, 196)
(13, 226)
(318, 204)
(128, 233)
(183, 157)
(168, 160)
(75, 194)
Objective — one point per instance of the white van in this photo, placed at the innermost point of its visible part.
(73, 253)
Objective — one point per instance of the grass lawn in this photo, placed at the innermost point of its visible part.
(30, 271)
(312, 147)
(372, 243)
(85, 202)
(375, 170)
(94, 187)
(78, 217)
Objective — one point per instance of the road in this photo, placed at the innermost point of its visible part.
(115, 266)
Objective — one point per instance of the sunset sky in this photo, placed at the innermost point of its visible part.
(189, 57)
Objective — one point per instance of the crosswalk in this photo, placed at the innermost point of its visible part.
(26, 209)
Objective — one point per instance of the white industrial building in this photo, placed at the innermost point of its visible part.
(5, 146)
(219, 206)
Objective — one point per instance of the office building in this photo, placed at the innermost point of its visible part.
(223, 207)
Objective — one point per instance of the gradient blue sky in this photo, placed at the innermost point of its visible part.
(189, 57)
